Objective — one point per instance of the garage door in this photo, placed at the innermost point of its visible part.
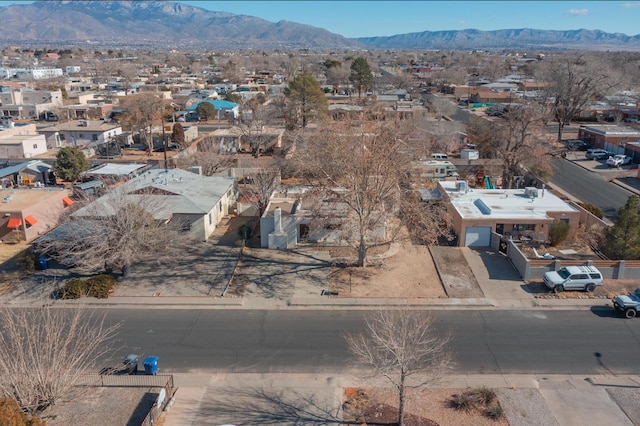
(478, 236)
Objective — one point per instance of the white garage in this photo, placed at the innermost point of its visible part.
(477, 236)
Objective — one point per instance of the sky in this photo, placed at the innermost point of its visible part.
(383, 18)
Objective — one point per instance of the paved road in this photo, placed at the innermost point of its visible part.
(499, 342)
(589, 187)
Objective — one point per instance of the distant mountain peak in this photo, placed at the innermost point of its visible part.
(137, 23)
(166, 23)
(519, 38)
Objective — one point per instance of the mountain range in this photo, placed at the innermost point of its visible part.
(169, 24)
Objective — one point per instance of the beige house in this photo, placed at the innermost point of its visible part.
(519, 214)
(27, 213)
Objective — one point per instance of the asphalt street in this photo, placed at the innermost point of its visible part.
(498, 342)
(589, 187)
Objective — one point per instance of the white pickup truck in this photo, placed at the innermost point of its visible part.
(618, 160)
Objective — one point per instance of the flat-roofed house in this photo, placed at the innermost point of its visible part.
(27, 213)
(525, 214)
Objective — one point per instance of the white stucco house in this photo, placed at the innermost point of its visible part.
(193, 203)
(296, 214)
(22, 146)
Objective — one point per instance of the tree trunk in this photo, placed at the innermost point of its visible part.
(362, 252)
(560, 129)
(401, 401)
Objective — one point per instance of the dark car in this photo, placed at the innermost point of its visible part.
(575, 144)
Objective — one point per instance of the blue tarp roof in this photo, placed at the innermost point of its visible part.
(217, 104)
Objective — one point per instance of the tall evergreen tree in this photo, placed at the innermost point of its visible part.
(361, 75)
(206, 110)
(177, 135)
(307, 95)
(622, 240)
(70, 162)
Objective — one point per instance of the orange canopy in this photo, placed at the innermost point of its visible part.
(30, 220)
(14, 222)
(67, 201)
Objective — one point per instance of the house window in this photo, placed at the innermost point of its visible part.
(210, 218)
(528, 227)
(35, 146)
(564, 221)
(62, 137)
(80, 136)
(185, 226)
(220, 205)
(94, 137)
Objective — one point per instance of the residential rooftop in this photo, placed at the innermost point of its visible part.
(20, 199)
(502, 203)
(82, 125)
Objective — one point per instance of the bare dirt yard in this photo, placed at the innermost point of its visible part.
(408, 273)
(423, 407)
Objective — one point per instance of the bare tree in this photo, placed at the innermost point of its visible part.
(403, 347)
(573, 82)
(208, 155)
(361, 168)
(115, 231)
(518, 140)
(260, 186)
(521, 141)
(257, 124)
(441, 107)
(45, 351)
(143, 112)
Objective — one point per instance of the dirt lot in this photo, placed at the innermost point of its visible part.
(408, 273)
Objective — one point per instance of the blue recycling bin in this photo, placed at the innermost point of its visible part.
(151, 365)
(43, 262)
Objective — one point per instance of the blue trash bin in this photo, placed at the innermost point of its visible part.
(151, 365)
(43, 262)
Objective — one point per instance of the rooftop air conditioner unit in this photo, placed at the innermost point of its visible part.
(531, 192)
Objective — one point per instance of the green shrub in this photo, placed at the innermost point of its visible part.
(26, 260)
(559, 232)
(594, 210)
(72, 289)
(99, 286)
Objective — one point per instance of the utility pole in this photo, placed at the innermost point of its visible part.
(164, 144)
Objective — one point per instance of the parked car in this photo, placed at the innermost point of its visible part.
(585, 278)
(618, 160)
(628, 303)
(575, 144)
(50, 116)
(598, 154)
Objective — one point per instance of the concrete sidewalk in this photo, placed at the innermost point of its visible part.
(564, 400)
